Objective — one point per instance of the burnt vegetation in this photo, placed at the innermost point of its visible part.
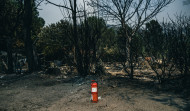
(134, 48)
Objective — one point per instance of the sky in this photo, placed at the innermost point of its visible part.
(52, 14)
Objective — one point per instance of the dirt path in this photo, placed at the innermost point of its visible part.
(118, 93)
(34, 93)
(119, 98)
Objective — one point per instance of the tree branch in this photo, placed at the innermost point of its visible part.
(58, 5)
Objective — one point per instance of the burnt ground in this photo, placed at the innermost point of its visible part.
(40, 92)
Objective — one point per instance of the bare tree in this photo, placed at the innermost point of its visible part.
(71, 8)
(81, 35)
(181, 29)
(132, 13)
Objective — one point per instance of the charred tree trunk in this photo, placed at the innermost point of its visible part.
(78, 55)
(128, 49)
(86, 56)
(27, 34)
(9, 55)
(94, 51)
(131, 59)
(36, 58)
(87, 44)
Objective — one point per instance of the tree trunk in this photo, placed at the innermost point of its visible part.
(131, 63)
(87, 50)
(36, 58)
(94, 52)
(130, 52)
(77, 49)
(9, 55)
(27, 33)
